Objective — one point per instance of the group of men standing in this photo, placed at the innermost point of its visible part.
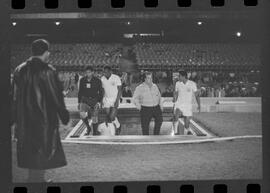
(147, 99)
(95, 93)
(38, 103)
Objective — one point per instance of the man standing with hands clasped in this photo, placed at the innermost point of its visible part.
(184, 90)
(147, 99)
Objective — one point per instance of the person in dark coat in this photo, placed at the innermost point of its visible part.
(38, 104)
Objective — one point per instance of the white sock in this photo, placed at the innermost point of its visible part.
(186, 131)
(111, 126)
(116, 122)
(175, 125)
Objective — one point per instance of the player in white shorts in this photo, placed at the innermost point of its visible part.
(111, 84)
(184, 91)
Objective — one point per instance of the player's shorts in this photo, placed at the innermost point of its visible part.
(108, 102)
(185, 109)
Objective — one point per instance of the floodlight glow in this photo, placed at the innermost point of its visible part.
(199, 23)
(238, 34)
(57, 23)
(14, 23)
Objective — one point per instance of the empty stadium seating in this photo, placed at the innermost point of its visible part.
(148, 55)
(73, 56)
(156, 55)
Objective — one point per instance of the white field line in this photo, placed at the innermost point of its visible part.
(74, 129)
(231, 102)
(192, 141)
(85, 129)
(200, 128)
(197, 126)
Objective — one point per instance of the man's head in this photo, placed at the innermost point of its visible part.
(147, 77)
(182, 75)
(89, 71)
(40, 49)
(107, 71)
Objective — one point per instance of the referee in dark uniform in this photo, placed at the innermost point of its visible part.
(89, 99)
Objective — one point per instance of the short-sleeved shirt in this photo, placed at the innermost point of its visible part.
(110, 86)
(147, 96)
(185, 92)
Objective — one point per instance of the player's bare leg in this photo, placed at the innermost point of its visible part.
(187, 123)
(177, 115)
(113, 117)
(95, 121)
(84, 117)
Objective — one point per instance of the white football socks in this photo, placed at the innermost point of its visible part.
(175, 126)
(116, 122)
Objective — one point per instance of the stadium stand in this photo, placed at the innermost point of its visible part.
(73, 56)
(156, 55)
(161, 58)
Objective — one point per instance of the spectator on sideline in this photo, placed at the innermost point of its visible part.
(38, 102)
(167, 93)
(126, 92)
(147, 99)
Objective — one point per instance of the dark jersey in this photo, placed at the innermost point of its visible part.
(92, 90)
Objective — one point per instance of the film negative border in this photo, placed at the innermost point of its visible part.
(144, 187)
(86, 4)
(248, 186)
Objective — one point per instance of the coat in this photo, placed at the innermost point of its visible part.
(38, 103)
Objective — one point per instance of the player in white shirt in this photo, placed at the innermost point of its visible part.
(183, 95)
(111, 84)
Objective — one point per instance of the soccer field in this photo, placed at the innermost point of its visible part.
(231, 123)
(234, 159)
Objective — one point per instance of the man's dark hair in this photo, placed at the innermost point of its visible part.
(146, 73)
(89, 68)
(39, 47)
(107, 67)
(183, 73)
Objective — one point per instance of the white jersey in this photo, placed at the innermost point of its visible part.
(185, 92)
(106, 130)
(110, 86)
